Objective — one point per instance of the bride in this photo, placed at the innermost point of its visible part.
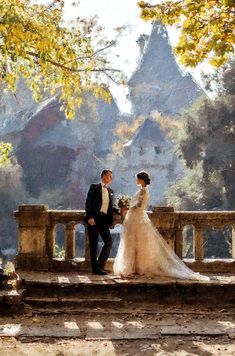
(142, 249)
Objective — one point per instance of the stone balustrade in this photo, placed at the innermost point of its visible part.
(37, 236)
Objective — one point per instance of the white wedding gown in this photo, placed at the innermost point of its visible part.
(143, 250)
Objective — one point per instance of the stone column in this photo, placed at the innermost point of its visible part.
(198, 236)
(70, 241)
(32, 252)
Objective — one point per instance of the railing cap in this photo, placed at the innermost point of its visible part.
(34, 208)
(163, 209)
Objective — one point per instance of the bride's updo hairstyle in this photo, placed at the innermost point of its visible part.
(144, 176)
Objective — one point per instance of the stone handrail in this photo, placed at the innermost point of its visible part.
(37, 235)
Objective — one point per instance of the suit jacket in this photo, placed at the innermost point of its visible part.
(94, 203)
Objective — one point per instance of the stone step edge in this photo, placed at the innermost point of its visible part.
(70, 299)
(112, 283)
(112, 311)
(12, 296)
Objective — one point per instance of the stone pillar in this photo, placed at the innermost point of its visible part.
(163, 218)
(70, 241)
(87, 246)
(198, 236)
(51, 235)
(32, 252)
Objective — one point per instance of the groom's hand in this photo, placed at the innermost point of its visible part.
(91, 221)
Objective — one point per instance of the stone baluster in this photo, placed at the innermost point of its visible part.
(179, 242)
(87, 246)
(198, 243)
(70, 240)
(233, 242)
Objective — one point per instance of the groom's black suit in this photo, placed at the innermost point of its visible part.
(101, 227)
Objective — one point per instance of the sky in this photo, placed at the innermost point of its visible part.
(125, 55)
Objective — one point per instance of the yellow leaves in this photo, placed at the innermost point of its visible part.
(11, 81)
(207, 28)
(5, 150)
(218, 61)
(142, 4)
(69, 114)
(51, 57)
(44, 45)
(16, 30)
(102, 93)
(2, 27)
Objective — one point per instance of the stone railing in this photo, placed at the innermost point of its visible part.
(37, 236)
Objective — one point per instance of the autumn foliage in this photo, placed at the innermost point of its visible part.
(207, 28)
(54, 58)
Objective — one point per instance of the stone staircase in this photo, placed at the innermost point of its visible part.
(88, 308)
(85, 291)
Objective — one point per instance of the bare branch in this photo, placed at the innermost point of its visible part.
(95, 53)
(112, 79)
(149, 6)
(72, 69)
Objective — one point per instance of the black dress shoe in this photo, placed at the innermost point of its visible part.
(107, 270)
(99, 271)
(104, 269)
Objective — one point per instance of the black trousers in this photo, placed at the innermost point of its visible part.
(101, 228)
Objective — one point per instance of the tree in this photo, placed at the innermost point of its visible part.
(207, 28)
(52, 57)
(12, 193)
(205, 143)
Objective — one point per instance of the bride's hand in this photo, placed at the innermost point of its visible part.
(123, 211)
(91, 221)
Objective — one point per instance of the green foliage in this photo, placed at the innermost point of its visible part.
(207, 28)
(53, 58)
(59, 251)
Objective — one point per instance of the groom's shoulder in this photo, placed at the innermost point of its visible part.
(95, 185)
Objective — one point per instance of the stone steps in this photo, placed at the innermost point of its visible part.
(73, 302)
(88, 290)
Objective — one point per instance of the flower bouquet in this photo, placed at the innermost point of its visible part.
(123, 202)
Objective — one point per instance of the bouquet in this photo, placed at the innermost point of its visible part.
(123, 201)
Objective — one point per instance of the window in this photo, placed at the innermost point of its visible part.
(157, 149)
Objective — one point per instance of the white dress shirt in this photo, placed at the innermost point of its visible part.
(105, 199)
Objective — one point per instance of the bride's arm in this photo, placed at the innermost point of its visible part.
(139, 201)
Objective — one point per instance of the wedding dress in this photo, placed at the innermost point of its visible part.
(143, 250)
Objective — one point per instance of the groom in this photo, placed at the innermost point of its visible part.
(99, 217)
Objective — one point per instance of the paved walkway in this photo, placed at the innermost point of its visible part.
(88, 278)
(139, 329)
